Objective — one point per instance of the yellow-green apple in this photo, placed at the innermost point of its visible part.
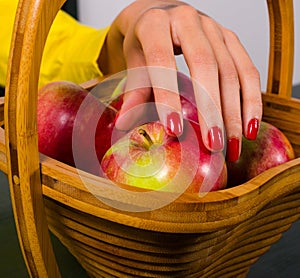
(149, 158)
(271, 148)
(58, 105)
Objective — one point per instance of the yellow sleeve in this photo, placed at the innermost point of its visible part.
(7, 14)
(70, 53)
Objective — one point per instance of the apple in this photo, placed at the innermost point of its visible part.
(187, 97)
(117, 102)
(58, 106)
(148, 158)
(271, 148)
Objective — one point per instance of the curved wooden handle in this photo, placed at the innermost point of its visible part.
(281, 57)
(32, 24)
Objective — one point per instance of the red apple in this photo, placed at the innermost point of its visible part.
(187, 97)
(117, 102)
(271, 148)
(147, 157)
(58, 106)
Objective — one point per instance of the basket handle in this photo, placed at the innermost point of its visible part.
(33, 21)
(281, 56)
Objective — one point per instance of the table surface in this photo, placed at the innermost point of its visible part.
(282, 260)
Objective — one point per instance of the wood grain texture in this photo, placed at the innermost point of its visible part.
(32, 24)
(219, 234)
(281, 55)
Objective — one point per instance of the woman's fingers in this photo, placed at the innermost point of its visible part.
(137, 95)
(200, 58)
(155, 51)
(250, 85)
(229, 86)
(226, 83)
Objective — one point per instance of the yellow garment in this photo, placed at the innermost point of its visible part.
(70, 53)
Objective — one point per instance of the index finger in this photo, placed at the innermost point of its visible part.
(154, 34)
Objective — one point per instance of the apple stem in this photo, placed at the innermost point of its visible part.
(146, 136)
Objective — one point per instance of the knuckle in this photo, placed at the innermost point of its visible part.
(253, 101)
(258, 101)
(233, 125)
(154, 15)
(230, 34)
(209, 21)
(151, 16)
(252, 73)
(187, 10)
(204, 58)
(235, 120)
(229, 73)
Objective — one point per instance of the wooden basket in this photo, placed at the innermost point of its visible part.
(217, 235)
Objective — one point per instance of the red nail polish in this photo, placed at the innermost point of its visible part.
(215, 139)
(252, 129)
(233, 149)
(174, 126)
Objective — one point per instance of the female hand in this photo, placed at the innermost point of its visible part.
(148, 34)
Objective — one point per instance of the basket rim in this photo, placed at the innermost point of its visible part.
(189, 213)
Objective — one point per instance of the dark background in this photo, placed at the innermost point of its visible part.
(282, 260)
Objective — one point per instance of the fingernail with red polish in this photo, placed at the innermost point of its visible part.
(174, 125)
(252, 129)
(215, 139)
(233, 149)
